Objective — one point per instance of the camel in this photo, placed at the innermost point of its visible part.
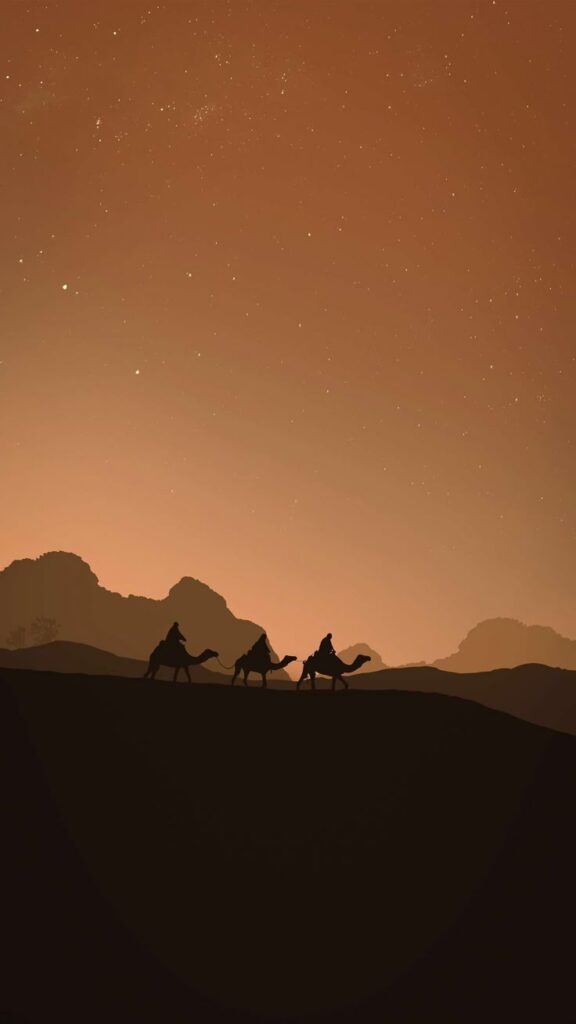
(332, 666)
(176, 658)
(256, 662)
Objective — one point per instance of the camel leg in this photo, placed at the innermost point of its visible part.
(341, 680)
(176, 671)
(264, 681)
(152, 669)
(246, 674)
(313, 681)
(187, 671)
(303, 677)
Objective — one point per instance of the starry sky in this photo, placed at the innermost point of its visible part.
(287, 305)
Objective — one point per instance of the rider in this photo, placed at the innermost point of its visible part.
(174, 636)
(260, 648)
(326, 647)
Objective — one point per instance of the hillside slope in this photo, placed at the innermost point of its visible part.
(200, 853)
(539, 694)
(81, 659)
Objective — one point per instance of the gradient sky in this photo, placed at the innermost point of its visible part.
(287, 305)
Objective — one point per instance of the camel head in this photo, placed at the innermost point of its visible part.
(360, 659)
(208, 654)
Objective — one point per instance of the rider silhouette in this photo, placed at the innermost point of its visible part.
(326, 647)
(261, 648)
(174, 636)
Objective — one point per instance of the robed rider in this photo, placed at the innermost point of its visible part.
(174, 636)
(326, 647)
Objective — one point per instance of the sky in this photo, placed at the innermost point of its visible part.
(287, 305)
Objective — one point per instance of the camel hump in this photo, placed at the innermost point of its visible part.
(326, 663)
(171, 648)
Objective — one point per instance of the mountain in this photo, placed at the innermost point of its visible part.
(504, 643)
(61, 587)
(374, 665)
(203, 853)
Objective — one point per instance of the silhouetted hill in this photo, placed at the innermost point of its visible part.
(374, 665)
(63, 656)
(199, 853)
(504, 643)
(537, 693)
(61, 586)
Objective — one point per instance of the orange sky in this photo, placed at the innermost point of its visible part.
(287, 305)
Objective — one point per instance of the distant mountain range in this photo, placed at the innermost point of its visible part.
(57, 596)
(504, 643)
(492, 644)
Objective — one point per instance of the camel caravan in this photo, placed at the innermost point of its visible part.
(172, 653)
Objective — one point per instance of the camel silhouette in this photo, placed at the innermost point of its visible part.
(258, 662)
(176, 657)
(330, 665)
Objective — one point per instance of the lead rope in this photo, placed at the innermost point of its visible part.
(227, 667)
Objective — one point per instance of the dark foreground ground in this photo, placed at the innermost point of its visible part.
(181, 853)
